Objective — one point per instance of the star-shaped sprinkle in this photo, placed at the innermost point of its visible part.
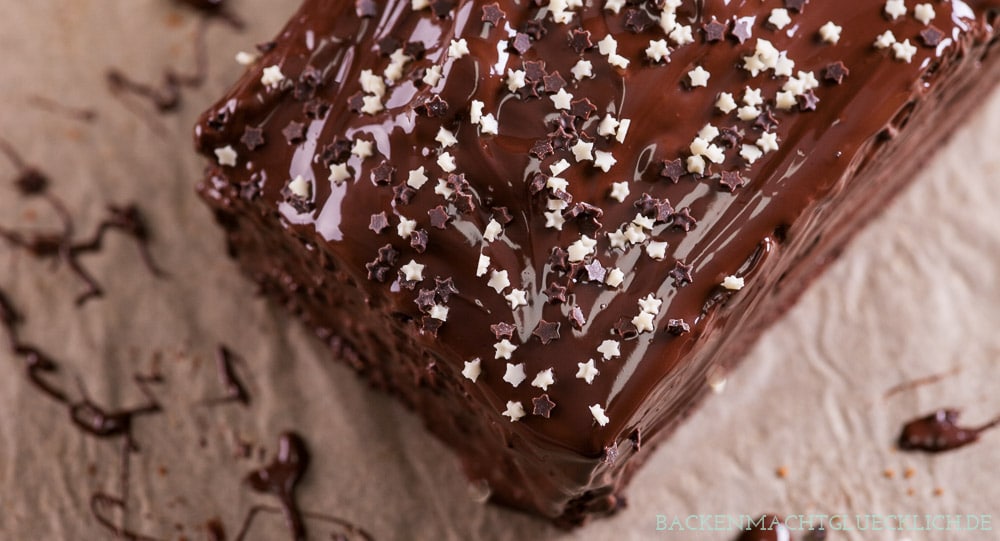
(931, 36)
(226, 156)
(514, 410)
(542, 405)
(503, 330)
(615, 277)
(733, 283)
(656, 249)
(472, 370)
(885, 40)
(562, 99)
(835, 72)
(598, 412)
(895, 9)
(556, 293)
(609, 349)
(516, 298)
(650, 304)
(830, 32)
(498, 280)
(643, 322)
(587, 371)
(681, 273)
(515, 374)
(714, 30)
(272, 76)
(503, 349)
(924, 13)
(677, 327)
(582, 69)
(543, 379)
(619, 191)
(658, 51)
(698, 77)
(904, 51)
(493, 14)
(439, 312)
(732, 180)
(673, 169)
(779, 18)
(546, 331)
(412, 271)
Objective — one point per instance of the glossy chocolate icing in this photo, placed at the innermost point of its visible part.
(835, 167)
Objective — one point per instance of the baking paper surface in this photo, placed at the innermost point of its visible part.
(918, 293)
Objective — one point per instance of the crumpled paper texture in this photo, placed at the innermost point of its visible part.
(917, 293)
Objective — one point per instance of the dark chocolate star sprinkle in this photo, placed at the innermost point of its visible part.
(741, 30)
(378, 223)
(587, 215)
(414, 49)
(445, 288)
(683, 220)
(534, 70)
(556, 293)
(442, 8)
(418, 240)
(808, 101)
(503, 330)
(732, 180)
(765, 120)
(558, 259)
(520, 43)
(431, 325)
(388, 45)
(576, 318)
(387, 255)
(795, 5)
(432, 107)
(294, 132)
(534, 28)
(336, 152)
(493, 14)
(553, 82)
(538, 183)
(610, 454)
(316, 108)
(678, 327)
(425, 300)
(625, 329)
(439, 217)
(252, 137)
(542, 405)
(673, 169)
(730, 136)
(681, 273)
(714, 31)
(579, 40)
(541, 149)
(835, 72)
(637, 20)
(931, 36)
(582, 108)
(382, 174)
(365, 8)
(502, 215)
(595, 271)
(403, 193)
(546, 331)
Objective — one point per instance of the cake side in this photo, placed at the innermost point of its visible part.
(304, 204)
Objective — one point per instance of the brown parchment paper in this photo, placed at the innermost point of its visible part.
(918, 293)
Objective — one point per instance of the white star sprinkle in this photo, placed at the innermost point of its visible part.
(476, 111)
(445, 137)
(643, 221)
(608, 45)
(300, 187)
(785, 100)
(586, 371)
(483, 265)
(244, 58)
(748, 112)
(412, 271)
(439, 312)
(725, 103)
(904, 51)
(643, 322)
(442, 189)
(558, 167)
(432, 76)
(768, 142)
(830, 32)
(515, 79)
(779, 18)
(371, 105)
(619, 191)
(446, 162)
(362, 149)
(750, 153)
(895, 9)
(339, 172)
(581, 248)
(752, 97)
(583, 150)
(656, 249)
(733, 283)
(604, 160)
(696, 165)
(416, 178)
(371, 83)
(709, 132)
(554, 220)
(226, 156)
(515, 374)
(498, 281)
(561, 99)
(607, 126)
(543, 379)
(472, 369)
(514, 410)
(885, 40)
(458, 48)
(503, 349)
(609, 349)
(582, 70)
(617, 239)
(489, 125)
(406, 227)
(658, 50)
(615, 277)
(516, 298)
(699, 76)
(492, 230)
(681, 35)
(598, 412)
(623, 130)
(650, 304)
(272, 76)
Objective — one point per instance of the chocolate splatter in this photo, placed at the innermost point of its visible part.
(236, 391)
(280, 478)
(52, 106)
(920, 382)
(939, 432)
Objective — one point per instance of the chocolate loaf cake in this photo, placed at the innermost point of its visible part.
(547, 228)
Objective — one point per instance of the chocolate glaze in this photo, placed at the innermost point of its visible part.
(280, 478)
(235, 390)
(777, 226)
(939, 432)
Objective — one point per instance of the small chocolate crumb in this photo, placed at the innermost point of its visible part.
(403, 193)
(432, 107)
(610, 454)
(502, 215)
(678, 327)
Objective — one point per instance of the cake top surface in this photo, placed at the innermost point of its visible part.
(563, 195)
